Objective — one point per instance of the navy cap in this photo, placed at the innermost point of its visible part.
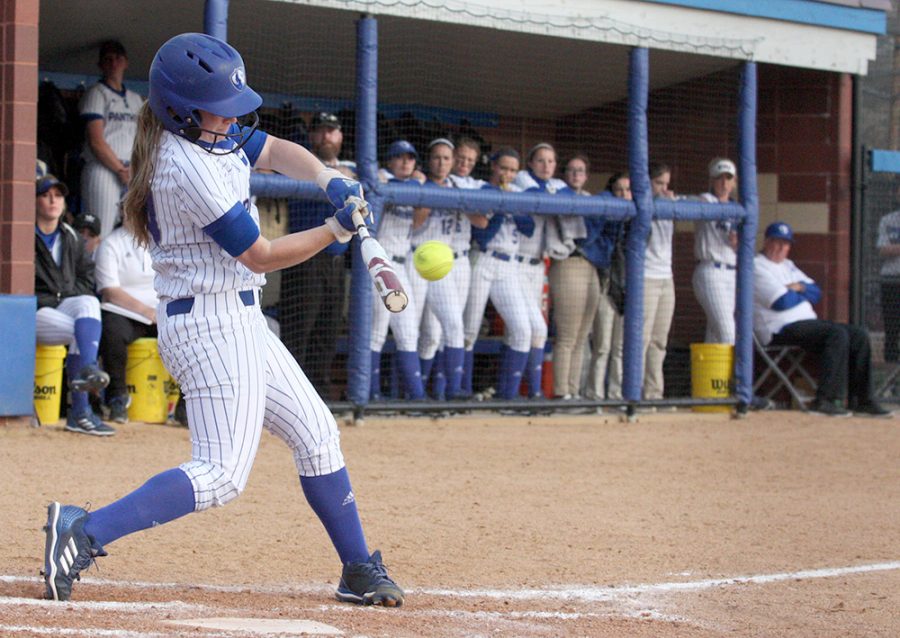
(780, 230)
(401, 147)
(324, 118)
(89, 221)
(113, 47)
(47, 182)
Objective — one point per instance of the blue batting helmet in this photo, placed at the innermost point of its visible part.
(192, 72)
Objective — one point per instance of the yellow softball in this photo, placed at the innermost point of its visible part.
(433, 260)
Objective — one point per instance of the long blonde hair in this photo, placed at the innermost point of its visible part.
(143, 166)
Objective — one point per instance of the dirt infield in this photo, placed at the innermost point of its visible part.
(781, 524)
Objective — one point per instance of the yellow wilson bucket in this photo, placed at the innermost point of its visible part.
(48, 375)
(712, 374)
(146, 378)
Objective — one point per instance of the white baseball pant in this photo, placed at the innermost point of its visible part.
(237, 378)
(56, 326)
(532, 279)
(101, 192)
(715, 290)
(498, 280)
(404, 325)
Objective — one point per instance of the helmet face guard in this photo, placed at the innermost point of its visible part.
(225, 143)
(195, 72)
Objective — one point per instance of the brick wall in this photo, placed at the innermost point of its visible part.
(18, 125)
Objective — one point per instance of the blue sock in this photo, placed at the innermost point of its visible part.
(375, 376)
(511, 370)
(87, 335)
(534, 371)
(408, 363)
(453, 364)
(331, 498)
(439, 385)
(80, 403)
(468, 371)
(425, 366)
(163, 498)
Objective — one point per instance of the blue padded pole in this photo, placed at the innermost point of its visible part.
(215, 19)
(636, 243)
(743, 347)
(358, 359)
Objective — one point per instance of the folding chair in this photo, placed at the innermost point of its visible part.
(887, 388)
(782, 362)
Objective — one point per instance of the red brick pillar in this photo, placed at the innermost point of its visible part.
(18, 131)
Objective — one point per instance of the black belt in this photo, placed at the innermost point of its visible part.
(721, 266)
(533, 261)
(184, 305)
(501, 256)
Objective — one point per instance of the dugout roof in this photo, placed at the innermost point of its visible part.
(688, 38)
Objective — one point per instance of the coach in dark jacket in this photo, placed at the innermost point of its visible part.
(68, 312)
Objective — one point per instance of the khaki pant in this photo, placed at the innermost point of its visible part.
(606, 360)
(575, 289)
(659, 307)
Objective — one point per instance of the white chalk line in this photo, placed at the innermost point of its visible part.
(595, 594)
(622, 594)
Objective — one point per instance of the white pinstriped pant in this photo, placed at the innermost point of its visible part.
(531, 279)
(101, 192)
(237, 378)
(715, 290)
(445, 301)
(56, 326)
(499, 280)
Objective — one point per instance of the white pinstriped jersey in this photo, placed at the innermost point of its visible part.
(533, 247)
(711, 238)
(119, 112)
(442, 224)
(191, 189)
(395, 228)
(506, 240)
(466, 182)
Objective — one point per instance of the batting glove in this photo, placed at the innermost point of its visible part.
(341, 225)
(338, 187)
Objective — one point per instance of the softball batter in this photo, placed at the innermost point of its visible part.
(189, 199)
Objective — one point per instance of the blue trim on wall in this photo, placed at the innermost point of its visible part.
(819, 14)
(883, 161)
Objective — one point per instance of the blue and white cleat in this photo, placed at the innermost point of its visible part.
(368, 584)
(68, 551)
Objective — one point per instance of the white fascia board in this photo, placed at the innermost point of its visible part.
(635, 23)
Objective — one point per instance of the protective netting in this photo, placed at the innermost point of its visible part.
(880, 214)
(518, 315)
(302, 62)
